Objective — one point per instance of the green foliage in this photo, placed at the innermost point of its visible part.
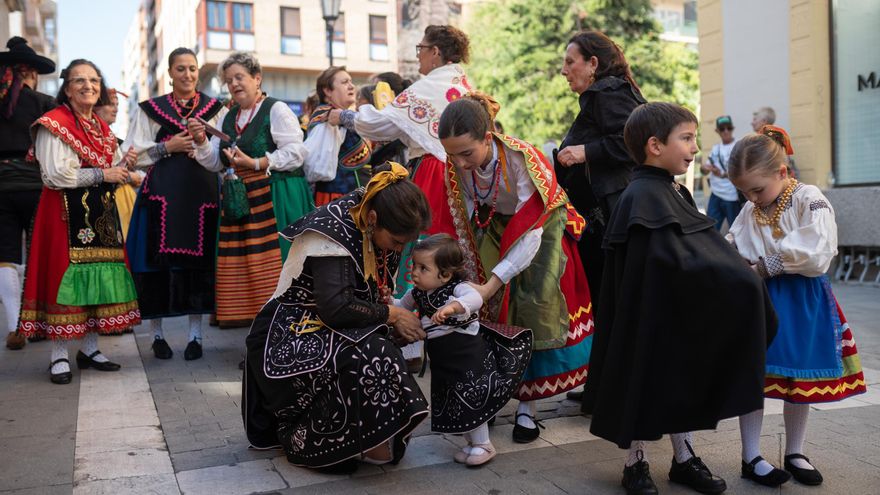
(518, 46)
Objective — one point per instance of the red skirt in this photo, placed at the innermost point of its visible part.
(48, 260)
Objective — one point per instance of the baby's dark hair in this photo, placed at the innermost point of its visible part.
(447, 254)
(653, 120)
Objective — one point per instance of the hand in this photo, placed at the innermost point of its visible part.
(488, 289)
(334, 117)
(197, 130)
(239, 158)
(129, 160)
(717, 171)
(571, 155)
(181, 141)
(136, 180)
(448, 311)
(385, 294)
(116, 175)
(406, 327)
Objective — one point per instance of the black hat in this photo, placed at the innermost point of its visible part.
(20, 53)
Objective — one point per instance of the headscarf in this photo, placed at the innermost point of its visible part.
(359, 213)
(779, 135)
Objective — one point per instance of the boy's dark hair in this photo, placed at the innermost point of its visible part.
(401, 208)
(653, 120)
(447, 254)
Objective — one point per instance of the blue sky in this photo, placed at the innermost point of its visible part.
(95, 30)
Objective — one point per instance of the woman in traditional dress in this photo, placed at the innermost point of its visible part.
(77, 283)
(413, 118)
(322, 377)
(266, 152)
(520, 234)
(172, 244)
(338, 159)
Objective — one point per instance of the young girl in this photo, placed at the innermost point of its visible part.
(475, 369)
(787, 233)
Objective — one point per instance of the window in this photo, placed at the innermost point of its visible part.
(378, 38)
(291, 32)
(339, 37)
(230, 26)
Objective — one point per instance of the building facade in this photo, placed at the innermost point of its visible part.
(36, 21)
(816, 63)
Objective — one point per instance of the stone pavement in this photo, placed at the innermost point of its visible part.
(170, 427)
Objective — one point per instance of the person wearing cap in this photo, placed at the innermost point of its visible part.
(724, 201)
(20, 183)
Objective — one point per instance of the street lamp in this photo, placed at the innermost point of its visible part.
(330, 9)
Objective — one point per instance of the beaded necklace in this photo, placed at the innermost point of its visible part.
(177, 108)
(782, 202)
(488, 188)
(382, 282)
(240, 130)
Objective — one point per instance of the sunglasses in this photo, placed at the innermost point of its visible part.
(725, 128)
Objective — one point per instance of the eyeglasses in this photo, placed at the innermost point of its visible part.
(419, 48)
(725, 128)
(81, 81)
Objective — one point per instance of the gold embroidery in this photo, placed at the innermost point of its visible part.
(96, 255)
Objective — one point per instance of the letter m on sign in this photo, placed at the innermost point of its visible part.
(869, 82)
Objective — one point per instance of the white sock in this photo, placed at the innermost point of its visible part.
(90, 345)
(467, 448)
(529, 407)
(479, 436)
(681, 446)
(156, 328)
(10, 294)
(795, 416)
(750, 433)
(195, 328)
(59, 351)
(636, 453)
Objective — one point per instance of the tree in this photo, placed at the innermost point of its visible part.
(518, 47)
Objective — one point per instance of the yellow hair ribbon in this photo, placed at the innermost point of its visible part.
(359, 213)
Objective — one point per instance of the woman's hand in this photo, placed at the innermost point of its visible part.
(197, 130)
(448, 311)
(136, 180)
(129, 160)
(115, 175)
(406, 327)
(239, 158)
(333, 118)
(488, 289)
(571, 155)
(181, 141)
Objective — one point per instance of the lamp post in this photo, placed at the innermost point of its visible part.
(330, 9)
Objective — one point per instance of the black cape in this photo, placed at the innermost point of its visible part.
(683, 323)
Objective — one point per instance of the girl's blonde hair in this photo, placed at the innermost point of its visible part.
(763, 151)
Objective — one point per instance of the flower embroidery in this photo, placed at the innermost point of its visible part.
(299, 437)
(419, 112)
(381, 381)
(452, 95)
(86, 235)
(465, 83)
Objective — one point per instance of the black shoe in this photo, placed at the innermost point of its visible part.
(694, 473)
(60, 378)
(575, 395)
(193, 350)
(810, 477)
(521, 434)
(637, 478)
(347, 466)
(83, 362)
(161, 349)
(772, 479)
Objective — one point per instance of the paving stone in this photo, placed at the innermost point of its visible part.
(246, 477)
(163, 484)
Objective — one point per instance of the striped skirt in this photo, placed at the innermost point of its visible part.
(249, 252)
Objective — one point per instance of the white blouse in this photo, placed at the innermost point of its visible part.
(810, 241)
(465, 295)
(286, 133)
(509, 201)
(378, 126)
(59, 164)
(143, 131)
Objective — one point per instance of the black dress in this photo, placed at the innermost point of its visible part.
(322, 377)
(683, 323)
(472, 376)
(593, 188)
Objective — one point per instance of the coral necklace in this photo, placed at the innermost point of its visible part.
(782, 203)
(382, 282)
(177, 108)
(496, 184)
(240, 130)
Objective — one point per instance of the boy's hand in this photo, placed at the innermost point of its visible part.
(451, 309)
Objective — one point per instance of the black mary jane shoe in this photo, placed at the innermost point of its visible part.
(193, 350)
(637, 479)
(810, 477)
(521, 434)
(60, 378)
(694, 474)
(772, 479)
(161, 349)
(83, 362)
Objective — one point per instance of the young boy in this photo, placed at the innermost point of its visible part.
(672, 353)
(724, 201)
